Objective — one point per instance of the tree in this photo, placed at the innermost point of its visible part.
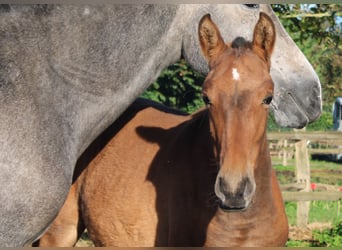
(316, 29)
(178, 86)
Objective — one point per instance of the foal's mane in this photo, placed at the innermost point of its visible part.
(200, 118)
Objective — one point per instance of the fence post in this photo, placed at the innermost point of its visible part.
(285, 153)
(302, 176)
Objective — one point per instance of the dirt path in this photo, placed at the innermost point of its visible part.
(297, 233)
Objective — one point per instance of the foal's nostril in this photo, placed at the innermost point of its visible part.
(246, 188)
(249, 189)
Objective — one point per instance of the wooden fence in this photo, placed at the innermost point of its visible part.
(299, 145)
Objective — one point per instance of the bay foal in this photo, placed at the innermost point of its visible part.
(167, 179)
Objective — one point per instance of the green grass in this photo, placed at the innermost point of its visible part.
(320, 211)
(298, 243)
(330, 211)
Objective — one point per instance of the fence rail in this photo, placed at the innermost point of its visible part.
(312, 196)
(304, 135)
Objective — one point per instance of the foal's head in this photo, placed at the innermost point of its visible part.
(237, 91)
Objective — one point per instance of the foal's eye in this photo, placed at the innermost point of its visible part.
(206, 100)
(267, 100)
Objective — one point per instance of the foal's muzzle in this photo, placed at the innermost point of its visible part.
(234, 198)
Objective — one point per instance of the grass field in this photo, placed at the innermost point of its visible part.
(323, 215)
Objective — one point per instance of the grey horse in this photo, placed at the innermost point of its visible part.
(67, 72)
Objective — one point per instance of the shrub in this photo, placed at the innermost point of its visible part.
(178, 86)
(329, 237)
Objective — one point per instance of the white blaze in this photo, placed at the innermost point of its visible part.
(236, 75)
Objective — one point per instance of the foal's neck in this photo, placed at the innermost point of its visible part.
(263, 223)
(263, 172)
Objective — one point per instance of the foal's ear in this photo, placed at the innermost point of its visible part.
(264, 37)
(211, 41)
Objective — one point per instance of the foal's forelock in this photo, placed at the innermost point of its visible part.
(239, 45)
